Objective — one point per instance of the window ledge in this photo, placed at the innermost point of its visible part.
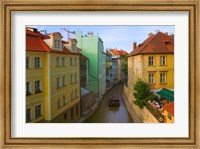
(38, 92)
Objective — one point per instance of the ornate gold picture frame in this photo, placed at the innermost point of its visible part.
(7, 7)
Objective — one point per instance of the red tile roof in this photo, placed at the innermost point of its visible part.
(38, 34)
(34, 42)
(117, 52)
(169, 108)
(157, 44)
(123, 53)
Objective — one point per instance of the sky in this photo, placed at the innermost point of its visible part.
(120, 37)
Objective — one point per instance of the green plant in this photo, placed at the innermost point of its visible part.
(142, 93)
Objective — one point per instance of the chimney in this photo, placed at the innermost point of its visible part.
(90, 33)
(134, 45)
(150, 34)
(32, 29)
(166, 33)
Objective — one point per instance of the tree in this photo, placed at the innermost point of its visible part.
(142, 93)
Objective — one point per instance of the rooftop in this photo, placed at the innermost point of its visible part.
(159, 43)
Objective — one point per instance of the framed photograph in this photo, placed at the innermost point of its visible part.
(112, 74)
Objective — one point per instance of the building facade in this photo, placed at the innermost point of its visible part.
(92, 47)
(152, 61)
(52, 79)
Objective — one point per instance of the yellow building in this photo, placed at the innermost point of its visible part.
(56, 77)
(169, 113)
(153, 61)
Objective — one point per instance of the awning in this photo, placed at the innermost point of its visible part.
(166, 94)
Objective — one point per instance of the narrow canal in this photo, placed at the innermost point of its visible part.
(106, 114)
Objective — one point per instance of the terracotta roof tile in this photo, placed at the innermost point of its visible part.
(169, 108)
(159, 43)
(34, 42)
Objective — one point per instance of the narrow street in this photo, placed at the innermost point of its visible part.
(106, 114)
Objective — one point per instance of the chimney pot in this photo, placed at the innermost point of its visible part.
(166, 33)
(134, 45)
(150, 34)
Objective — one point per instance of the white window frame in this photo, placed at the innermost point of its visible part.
(57, 82)
(151, 78)
(64, 81)
(75, 78)
(71, 61)
(163, 61)
(163, 78)
(63, 61)
(64, 100)
(29, 87)
(55, 43)
(28, 62)
(37, 62)
(151, 61)
(39, 105)
(30, 114)
(37, 89)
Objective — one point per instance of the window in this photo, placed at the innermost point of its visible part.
(163, 60)
(75, 61)
(27, 62)
(58, 82)
(57, 61)
(151, 61)
(63, 61)
(75, 77)
(71, 79)
(72, 94)
(73, 47)
(65, 115)
(28, 88)
(37, 111)
(55, 44)
(37, 87)
(72, 114)
(76, 95)
(58, 43)
(64, 100)
(63, 81)
(151, 78)
(77, 110)
(58, 103)
(169, 116)
(37, 62)
(28, 115)
(71, 61)
(162, 78)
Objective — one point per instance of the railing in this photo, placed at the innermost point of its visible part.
(155, 113)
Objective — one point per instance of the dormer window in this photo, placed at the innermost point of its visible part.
(58, 43)
(55, 43)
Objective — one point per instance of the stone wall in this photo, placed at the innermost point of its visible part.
(138, 115)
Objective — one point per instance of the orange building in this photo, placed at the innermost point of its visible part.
(169, 113)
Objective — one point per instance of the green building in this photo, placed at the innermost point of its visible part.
(92, 47)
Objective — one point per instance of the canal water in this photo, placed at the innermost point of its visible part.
(106, 114)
